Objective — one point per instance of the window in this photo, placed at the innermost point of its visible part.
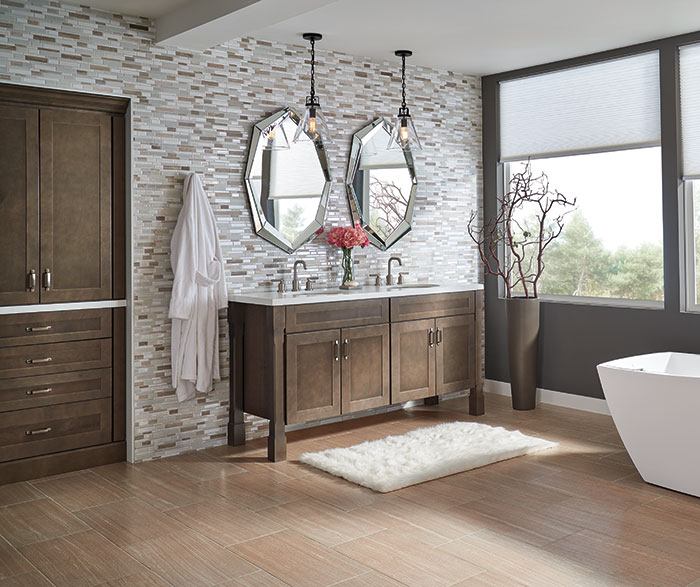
(689, 58)
(595, 132)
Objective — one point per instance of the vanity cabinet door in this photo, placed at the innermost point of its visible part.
(455, 354)
(313, 375)
(365, 367)
(19, 205)
(75, 210)
(412, 360)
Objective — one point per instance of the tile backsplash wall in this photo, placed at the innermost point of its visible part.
(193, 111)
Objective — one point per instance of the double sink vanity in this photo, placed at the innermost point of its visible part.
(308, 356)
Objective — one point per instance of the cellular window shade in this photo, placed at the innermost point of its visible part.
(690, 110)
(605, 106)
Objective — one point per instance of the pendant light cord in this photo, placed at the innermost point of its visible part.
(313, 69)
(403, 82)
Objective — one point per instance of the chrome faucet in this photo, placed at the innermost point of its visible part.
(389, 276)
(295, 281)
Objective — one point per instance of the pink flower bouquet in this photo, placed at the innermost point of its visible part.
(347, 237)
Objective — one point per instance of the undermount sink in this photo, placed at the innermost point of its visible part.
(412, 286)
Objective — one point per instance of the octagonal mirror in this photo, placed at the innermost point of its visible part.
(288, 183)
(381, 185)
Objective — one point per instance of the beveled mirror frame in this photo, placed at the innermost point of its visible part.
(261, 225)
(358, 140)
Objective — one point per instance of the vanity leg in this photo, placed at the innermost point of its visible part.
(476, 394)
(236, 422)
(277, 438)
(433, 400)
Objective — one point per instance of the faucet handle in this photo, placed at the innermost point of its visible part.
(282, 286)
(310, 283)
(401, 279)
(377, 279)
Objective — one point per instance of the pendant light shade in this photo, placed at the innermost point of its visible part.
(404, 135)
(275, 137)
(313, 126)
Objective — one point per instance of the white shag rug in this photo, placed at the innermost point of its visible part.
(424, 454)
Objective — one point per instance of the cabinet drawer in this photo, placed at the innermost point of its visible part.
(309, 317)
(431, 306)
(19, 329)
(59, 357)
(39, 431)
(60, 388)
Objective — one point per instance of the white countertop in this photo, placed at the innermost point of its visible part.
(367, 292)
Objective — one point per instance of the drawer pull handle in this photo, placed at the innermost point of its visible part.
(336, 350)
(39, 391)
(31, 285)
(47, 279)
(345, 349)
(39, 431)
(44, 360)
(439, 336)
(37, 328)
(431, 338)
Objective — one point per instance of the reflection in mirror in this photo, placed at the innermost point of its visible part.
(381, 185)
(288, 183)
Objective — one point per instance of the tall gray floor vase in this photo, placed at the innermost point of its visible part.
(523, 315)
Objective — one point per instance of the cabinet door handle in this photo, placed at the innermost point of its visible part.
(39, 391)
(336, 350)
(37, 328)
(346, 347)
(439, 336)
(431, 338)
(31, 280)
(47, 279)
(39, 431)
(33, 361)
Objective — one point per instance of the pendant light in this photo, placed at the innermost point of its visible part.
(275, 137)
(313, 126)
(404, 135)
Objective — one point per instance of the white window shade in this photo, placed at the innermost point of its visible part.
(605, 106)
(690, 110)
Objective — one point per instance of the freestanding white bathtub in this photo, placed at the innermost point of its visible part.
(655, 403)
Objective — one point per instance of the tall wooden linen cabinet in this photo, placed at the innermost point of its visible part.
(62, 281)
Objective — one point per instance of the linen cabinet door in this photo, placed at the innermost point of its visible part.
(19, 205)
(455, 351)
(412, 360)
(76, 176)
(365, 367)
(313, 376)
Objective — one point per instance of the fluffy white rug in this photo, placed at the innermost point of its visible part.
(424, 454)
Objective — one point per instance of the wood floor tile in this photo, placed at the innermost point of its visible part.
(320, 521)
(186, 558)
(618, 558)
(200, 466)
(34, 521)
(82, 490)
(437, 494)
(490, 579)
(30, 579)
(371, 579)
(407, 561)
(17, 493)
(142, 579)
(129, 521)
(333, 490)
(253, 491)
(225, 523)
(257, 579)
(155, 484)
(12, 563)
(298, 561)
(84, 559)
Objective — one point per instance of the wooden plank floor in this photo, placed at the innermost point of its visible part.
(575, 515)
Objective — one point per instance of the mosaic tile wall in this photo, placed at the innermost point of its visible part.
(193, 111)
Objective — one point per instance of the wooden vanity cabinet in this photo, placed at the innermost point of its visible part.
(310, 362)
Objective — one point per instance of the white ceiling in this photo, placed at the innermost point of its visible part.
(468, 36)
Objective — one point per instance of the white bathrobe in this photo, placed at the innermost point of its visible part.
(199, 291)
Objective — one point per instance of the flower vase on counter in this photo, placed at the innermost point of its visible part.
(347, 238)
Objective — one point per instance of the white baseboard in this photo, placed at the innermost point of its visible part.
(555, 398)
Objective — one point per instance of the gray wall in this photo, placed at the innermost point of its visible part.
(574, 338)
(193, 111)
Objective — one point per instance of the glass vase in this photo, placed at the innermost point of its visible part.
(348, 268)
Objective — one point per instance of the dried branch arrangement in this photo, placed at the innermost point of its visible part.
(512, 243)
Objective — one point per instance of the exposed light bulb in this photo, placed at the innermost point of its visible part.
(404, 131)
(312, 125)
(271, 135)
